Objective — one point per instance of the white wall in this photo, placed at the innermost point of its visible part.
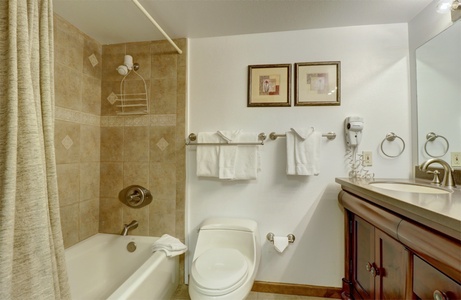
(374, 85)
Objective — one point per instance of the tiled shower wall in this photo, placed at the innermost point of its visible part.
(146, 150)
(99, 153)
(77, 130)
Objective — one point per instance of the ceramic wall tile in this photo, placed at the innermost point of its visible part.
(136, 173)
(88, 218)
(67, 142)
(112, 144)
(89, 180)
(92, 58)
(69, 224)
(111, 180)
(68, 87)
(91, 95)
(68, 183)
(110, 215)
(90, 143)
(163, 96)
(162, 144)
(69, 45)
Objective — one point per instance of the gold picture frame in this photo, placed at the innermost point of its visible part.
(318, 83)
(269, 85)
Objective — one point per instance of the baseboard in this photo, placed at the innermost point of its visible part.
(296, 289)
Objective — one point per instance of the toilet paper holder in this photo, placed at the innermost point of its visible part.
(270, 237)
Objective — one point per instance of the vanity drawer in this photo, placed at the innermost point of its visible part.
(427, 279)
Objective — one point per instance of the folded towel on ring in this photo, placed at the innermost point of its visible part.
(170, 245)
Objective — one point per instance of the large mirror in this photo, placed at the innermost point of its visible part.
(438, 71)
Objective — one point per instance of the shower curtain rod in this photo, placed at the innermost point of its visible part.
(156, 25)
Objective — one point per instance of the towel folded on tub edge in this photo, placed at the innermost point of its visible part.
(170, 245)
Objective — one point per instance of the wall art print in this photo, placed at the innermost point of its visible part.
(269, 85)
(318, 83)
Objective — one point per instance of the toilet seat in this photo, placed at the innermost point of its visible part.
(219, 271)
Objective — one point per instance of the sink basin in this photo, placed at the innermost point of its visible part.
(408, 187)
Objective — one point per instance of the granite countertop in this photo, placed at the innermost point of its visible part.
(441, 212)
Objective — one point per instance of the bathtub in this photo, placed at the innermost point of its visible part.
(101, 267)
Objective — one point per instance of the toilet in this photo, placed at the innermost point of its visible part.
(226, 259)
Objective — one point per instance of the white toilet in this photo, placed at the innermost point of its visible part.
(226, 259)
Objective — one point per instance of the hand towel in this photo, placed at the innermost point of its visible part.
(207, 156)
(247, 162)
(170, 245)
(227, 154)
(303, 151)
(303, 133)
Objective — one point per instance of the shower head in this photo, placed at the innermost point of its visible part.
(127, 65)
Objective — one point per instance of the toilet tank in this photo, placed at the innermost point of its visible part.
(229, 223)
(240, 234)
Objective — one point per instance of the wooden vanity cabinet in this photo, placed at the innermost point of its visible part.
(389, 257)
(378, 262)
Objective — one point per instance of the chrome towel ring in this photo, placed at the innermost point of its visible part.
(430, 137)
(390, 137)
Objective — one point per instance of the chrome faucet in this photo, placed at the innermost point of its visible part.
(134, 224)
(448, 177)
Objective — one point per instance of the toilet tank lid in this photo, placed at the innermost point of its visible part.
(229, 223)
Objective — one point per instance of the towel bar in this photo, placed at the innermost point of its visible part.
(193, 138)
(330, 135)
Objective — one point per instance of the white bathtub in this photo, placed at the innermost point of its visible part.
(101, 267)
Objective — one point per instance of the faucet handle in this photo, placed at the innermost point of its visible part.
(436, 179)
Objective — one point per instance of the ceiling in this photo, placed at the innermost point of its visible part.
(119, 21)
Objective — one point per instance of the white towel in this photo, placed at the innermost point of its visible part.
(207, 156)
(228, 154)
(303, 151)
(229, 135)
(247, 162)
(170, 245)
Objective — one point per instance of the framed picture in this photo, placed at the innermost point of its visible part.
(269, 85)
(318, 83)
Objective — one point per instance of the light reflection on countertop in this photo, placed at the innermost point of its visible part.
(439, 211)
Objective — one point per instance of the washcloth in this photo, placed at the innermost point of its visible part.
(170, 245)
(208, 156)
(303, 147)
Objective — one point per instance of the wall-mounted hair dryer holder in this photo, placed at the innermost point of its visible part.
(135, 196)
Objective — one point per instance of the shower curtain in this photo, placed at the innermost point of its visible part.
(32, 262)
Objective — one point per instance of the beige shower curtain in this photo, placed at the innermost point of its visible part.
(32, 263)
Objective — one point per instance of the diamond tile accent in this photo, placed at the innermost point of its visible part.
(67, 142)
(112, 98)
(162, 144)
(93, 60)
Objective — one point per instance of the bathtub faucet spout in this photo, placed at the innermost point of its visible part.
(127, 227)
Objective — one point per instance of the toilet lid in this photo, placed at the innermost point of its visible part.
(220, 269)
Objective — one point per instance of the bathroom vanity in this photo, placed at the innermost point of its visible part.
(400, 244)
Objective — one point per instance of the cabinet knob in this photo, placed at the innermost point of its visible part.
(438, 295)
(372, 269)
(374, 272)
(368, 267)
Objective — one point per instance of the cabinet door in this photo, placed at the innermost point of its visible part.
(392, 261)
(364, 253)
